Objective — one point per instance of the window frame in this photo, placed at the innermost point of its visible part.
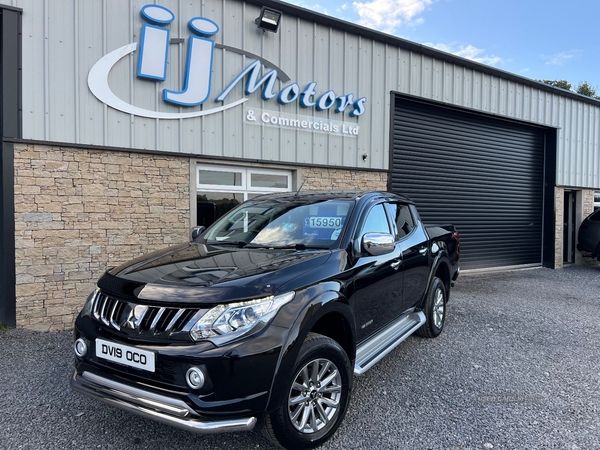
(246, 175)
(358, 234)
(218, 187)
(392, 219)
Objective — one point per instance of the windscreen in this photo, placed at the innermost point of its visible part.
(275, 223)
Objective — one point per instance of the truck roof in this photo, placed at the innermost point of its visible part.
(315, 196)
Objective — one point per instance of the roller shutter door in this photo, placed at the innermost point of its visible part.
(482, 174)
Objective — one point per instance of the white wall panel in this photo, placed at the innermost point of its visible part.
(337, 71)
(63, 39)
(350, 84)
(233, 119)
(378, 108)
(117, 130)
(34, 68)
(91, 112)
(365, 80)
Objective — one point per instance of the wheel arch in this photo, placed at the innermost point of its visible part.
(336, 326)
(328, 314)
(440, 269)
(442, 272)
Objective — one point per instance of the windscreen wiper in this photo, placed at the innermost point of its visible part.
(236, 243)
(298, 246)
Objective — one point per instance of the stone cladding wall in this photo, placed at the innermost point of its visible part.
(78, 212)
(339, 179)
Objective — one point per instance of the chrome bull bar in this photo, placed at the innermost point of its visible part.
(168, 410)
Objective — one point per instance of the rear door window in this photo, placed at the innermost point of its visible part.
(404, 221)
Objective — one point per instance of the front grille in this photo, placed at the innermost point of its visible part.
(140, 319)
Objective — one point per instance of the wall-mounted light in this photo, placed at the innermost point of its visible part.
(269, 19)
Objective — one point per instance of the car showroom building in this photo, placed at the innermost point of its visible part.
(126, 123)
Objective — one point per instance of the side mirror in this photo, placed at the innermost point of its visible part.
(376, 244)
(196, 232)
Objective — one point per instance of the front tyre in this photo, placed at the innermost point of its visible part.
(435, 310)
(315, 398)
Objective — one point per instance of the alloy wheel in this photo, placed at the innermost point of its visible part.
(315, 395)
(438, 308)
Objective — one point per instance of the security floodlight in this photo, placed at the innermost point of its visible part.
(269, 19)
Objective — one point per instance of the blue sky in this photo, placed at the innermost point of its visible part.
(538, 39)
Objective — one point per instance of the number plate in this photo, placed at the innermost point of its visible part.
(124, 354)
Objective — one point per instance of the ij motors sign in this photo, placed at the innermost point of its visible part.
(153, 57)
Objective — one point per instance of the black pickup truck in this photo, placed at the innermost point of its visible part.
(262, 319)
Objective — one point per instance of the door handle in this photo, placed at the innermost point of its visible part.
(423, 251)
(396, 264)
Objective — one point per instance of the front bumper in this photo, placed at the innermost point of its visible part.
(238, 376)
(168, 410)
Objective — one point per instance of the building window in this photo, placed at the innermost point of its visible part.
(221, 188)
(596, 201)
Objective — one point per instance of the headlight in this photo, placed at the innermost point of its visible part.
(89, 303)
(226, 322)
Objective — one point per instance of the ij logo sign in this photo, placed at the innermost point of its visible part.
(153, 58)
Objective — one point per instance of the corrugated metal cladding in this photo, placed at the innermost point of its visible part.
(484, 175)
(62, 39)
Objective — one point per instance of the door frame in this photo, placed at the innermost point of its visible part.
(10, 129)
(569, 226)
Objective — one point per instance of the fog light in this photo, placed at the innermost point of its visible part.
(81, 348)
(195, 378)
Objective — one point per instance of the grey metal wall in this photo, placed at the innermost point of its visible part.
(62, 39)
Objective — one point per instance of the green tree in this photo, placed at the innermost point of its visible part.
(584, 88)
(563, 84)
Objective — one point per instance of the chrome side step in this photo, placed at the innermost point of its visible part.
(373, 350)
